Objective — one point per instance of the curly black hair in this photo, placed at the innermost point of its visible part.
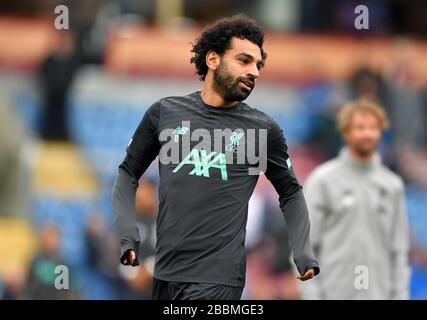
(217, 37)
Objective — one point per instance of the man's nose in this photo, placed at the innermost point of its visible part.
(254, 72)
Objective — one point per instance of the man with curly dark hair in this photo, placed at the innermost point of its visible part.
(205, 184)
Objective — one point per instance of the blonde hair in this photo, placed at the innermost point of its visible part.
(361, 105)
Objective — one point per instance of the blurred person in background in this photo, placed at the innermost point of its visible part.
(12, 282)
(368, 84)
(357, 209)
(200, 250)
(406, 98)
(11, 137)
(41, 275)
(56, 75)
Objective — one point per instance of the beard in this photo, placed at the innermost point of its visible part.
(366, 149)
(228, 87)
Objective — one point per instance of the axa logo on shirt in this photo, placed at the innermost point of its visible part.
(203, 161)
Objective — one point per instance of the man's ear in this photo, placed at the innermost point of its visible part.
(212, 60)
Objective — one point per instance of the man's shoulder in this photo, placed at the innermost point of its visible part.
(169, 104)
(257, 114)
(177, 100)
(325, 171)
(392, 179)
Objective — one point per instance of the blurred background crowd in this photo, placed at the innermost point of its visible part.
(71, 99)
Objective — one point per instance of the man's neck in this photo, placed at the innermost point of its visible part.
(361, 158)
(211, 97)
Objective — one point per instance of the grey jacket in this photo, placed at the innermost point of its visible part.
(359, 231)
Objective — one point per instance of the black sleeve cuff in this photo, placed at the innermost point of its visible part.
(313, 265)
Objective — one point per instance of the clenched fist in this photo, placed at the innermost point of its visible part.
(129, 258)
(308, 275)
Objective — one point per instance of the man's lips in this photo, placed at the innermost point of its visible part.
(248, 84)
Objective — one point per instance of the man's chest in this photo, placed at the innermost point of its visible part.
(365, 199)
(206, 145)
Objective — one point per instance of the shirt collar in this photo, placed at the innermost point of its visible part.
(348, 158)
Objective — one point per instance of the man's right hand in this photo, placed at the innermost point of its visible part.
(129, 257)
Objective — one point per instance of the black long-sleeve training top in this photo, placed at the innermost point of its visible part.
(205, 187)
